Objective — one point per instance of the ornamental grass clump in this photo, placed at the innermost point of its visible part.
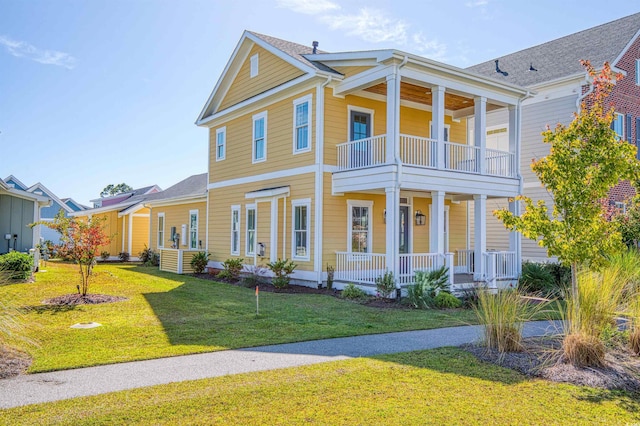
(634, 330)
(502, 315)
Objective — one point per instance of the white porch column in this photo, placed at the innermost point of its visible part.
(480, 232)
(480, 131)
(514, 165)
(515, 238)
(437, 122)
(436, 227)
(393, 117)
(392, 230)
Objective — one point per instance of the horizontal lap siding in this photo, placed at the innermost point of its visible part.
(272, 72)
(177, 215)
(221, 200)
(140, 234)
(112, 226)
(349, 71)
(279, 149)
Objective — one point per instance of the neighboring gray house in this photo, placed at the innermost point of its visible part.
(18, 209)
(553, 72)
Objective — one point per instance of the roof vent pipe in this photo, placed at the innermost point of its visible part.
(315, 47)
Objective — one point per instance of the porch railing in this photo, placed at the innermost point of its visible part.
(362, 268)
(417, 151)
(461, 157)
(500, 265)
(464, 261)
(500, 163)
(362, 153)
(412, 262)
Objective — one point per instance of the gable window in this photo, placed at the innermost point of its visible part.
(638, 72)
(235, 230)
(259, 145)
(193, 229)
(620, 207)
(254, 65)
(618, 125)
(250, 249)
(359, 226)
(160, 230)
(221, 141)
(302, 124)
(301, 228)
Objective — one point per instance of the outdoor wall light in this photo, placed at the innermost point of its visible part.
(384, 215)
(421, 219)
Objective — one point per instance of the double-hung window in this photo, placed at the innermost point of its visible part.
(251, 231)
(301, 229)
(618, 125)
(638, 72)
(193, 229)
(302, 124)
(221, 142)
(235, 230)
(359, 226)
(259, 145)
(160, 230)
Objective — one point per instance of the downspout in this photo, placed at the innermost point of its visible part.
(319, 197)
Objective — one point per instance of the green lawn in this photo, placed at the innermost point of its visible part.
(442, 386)
(169, 314)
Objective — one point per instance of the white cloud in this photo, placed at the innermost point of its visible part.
(309, 7)
(23, 49)
(371, 25)
(432, 49)
(477, 3)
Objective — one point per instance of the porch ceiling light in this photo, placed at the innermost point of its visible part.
(421, 219)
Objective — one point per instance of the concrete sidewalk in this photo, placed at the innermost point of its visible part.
(58, 385)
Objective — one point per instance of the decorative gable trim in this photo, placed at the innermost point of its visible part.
(54, 198)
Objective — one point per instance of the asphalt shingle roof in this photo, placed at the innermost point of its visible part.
(193, 185)
(561, 57)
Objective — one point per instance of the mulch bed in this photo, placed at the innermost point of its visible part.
(542, 357)
(13, 362)
(78, 299)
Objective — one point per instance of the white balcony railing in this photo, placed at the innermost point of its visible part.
(423, 152)
(417, 151)
(359, 268)
(499, 265)
(500, 163)
(362, 153)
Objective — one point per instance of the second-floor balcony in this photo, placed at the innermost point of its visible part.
(423, 152)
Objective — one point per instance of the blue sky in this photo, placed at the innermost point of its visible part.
(94, 92)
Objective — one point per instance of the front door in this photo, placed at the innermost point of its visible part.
(360, 129)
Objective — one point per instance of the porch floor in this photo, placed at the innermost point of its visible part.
(463, 278)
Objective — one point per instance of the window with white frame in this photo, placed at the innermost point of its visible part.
(254, 66)
(235, 230)
(221, 142)
(301, 228)
(259, 145)
(638, 72)
(302, 124)
(618, 125)
(193, 229)
(250, 249)
(160, 230)
(620, 207)
(359, 226)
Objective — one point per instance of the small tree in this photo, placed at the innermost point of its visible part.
(112, 189)
(79, 242)
(586, 160)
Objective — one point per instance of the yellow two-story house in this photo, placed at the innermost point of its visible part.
(365, 161)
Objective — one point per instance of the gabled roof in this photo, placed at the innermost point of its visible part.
(560, 58)
(68, 201)
(45, 190)
(285, 50)
(17, 181)
(192, 187)
(140, 191)
(42, 200)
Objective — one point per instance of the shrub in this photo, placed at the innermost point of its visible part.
(105, 255)
(352, 292)
(561, 275)
(199, 261)
(427, 285)
(445, 300)
(385, 284)
(123, 256)
(16, 266)
(282, 269)
(254, 275)
(536, 278)
(330, 273)
(149, 257)
(232, 268)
